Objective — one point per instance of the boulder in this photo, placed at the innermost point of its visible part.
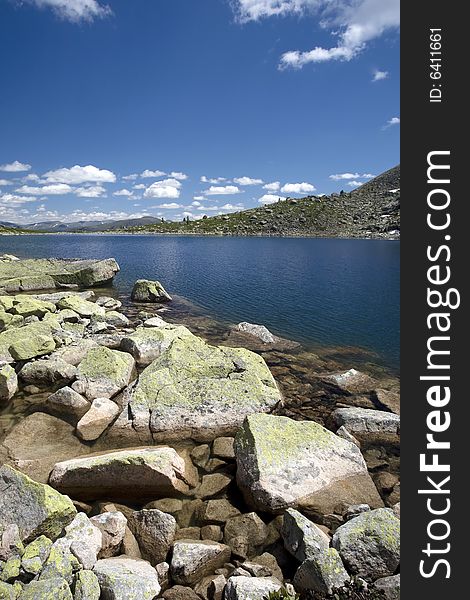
(112, 526)
(83, 539)
(55, 587)
(369, 544)
(302, 538)
(155, 532)
(194, 559)
(87, 586)
(35, 555)
(250, 588)
(100, 415)
(122, 578)
(8, 383)
(36, 508)
(149, 291)
(67, 403)
(47, 372)
(194, 390)
(104, 372)
(389, 586)
(27, 306)
(368, 424)
(75, 352)
(123, 475)
(38, 442)
(259, 331)
(321, 573)
(147, 344)
(25, 343)
(284, 463)
(245, 534)
(352, 382)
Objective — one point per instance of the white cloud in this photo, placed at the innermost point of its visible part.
(15, 199)
(272, 187)
(152, 174)
(168, 206)
(205, 179)
(232, 207)
(15, 167)
(131, 177)
(270, 198)
(123, 192)
(354, 22)
(167, 188)
(390, 123)
(195, 203)
(92, 191)
(248, 181)
(222, 190)
(178, 175)
(355, 183)
(379, 75)
(58, 189)
(198, 198)
(5, 182)
(75, 10)
(341, 176)
(78, 174)
(139, 186)
(298, 188)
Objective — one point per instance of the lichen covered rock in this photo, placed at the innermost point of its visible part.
(149, 291)
(104, 372)
(27, 342)
(127, 578)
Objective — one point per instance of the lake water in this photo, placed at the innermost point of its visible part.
(321, 292)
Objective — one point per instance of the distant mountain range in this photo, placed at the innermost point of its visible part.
(372, 210)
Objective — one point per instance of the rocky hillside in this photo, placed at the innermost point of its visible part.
(372, 210)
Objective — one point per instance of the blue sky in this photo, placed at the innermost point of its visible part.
(186, 107)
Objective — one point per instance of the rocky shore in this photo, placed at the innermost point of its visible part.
(142, 460)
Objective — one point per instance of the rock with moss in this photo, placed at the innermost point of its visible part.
(75, 352)
(195, 390)
(389, 586)
(27, 306)
(369, 544)
(9, 591)
(105, 372)
(87, 586)
(83, 307)
(143, 473)
(35, 555)
(8, 383)
(55, 588)
(36, 508)
(250, 588)
(148, 343)
(130, 578)
(25, 343)
(60, 563)
(149, 291)
(194, 559)
(322, 573)
(302, 538)
(284, 463)
(10, 569)
(10, 542)
(83, 539)
(47, 372)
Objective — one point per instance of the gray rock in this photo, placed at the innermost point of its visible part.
(250, 588)
(223, 448)
(344, 433)
(354, 510)
(74, 353)
(11, 545)
(55, 587)
(149, 291)
(245, 534)
(36, 508)
(362, 421)
(218, 511)
(163, 571)
(259, 331)
(108, 302)
(8, 383)
(389, 586)
(193, 559)
(126, 578)
(87, 586)
(126, 474)
(180, 592)
(369, 544)
(93, 423)
(212, 485)
(321, 573)
(46, 372)
(284, 463)
(67, 403)
(155, 322)
(112, 526)
(302, 538)
(155, 533)
(83, 539)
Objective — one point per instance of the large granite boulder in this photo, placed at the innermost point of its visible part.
(148, 343)
(144, 473)
(149, 291)
(36, 508)
(27, 342)
(124, 578)
(105, 372)
(369, 544)
(43, 274)
(195, 390)
(284, 463)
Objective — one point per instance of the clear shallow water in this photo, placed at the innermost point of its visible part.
(321, 292)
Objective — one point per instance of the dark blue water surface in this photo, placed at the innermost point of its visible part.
(332, 292)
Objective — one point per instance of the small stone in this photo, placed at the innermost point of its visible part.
(250, 588)
(249, 529)
(214, 464)
(212, 532)
(212, 485)
(172, 506)
(98, 418)
(113, 527)
(354, 510)
(200, 455)
(36, 554)
(130, 546)
(193, 559)
(217, 512)
(188, 533)
(66, 402)
(163, 571)
(223, 447)
(179, 592)
(321, 573)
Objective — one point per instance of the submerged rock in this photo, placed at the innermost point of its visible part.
(364, 423)
(259, 331)
(284, 463)
(149, 291)
(127, 578)
(36, 508)
(143, 473)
